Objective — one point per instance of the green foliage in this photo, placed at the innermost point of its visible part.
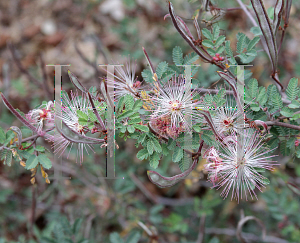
(44, 161)
(133, 237)
(154, 160)
(292, 89)
(8, 158)
(147, 76)
(276, 98)
(31, 162)
(142, 154)
(175, 223)
(207, 34)
(190, 58)
(240, 46)
(2, 136)
(245, 47)
(177, 155)
(177, 55)
(256, 31)
(161, 68)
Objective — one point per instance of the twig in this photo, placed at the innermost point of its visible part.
(36, 136)
(201, 229)
(275, 78)
(33, 207)
(88, 226)
(215, 91)
(22, 69)
(84, 58)
(247, 12)
(45, 84)
(243, 221)
(85, 181)
(157, 199)
(253, 237)
(282, 124)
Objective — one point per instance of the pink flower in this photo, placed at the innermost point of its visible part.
(224, 118)
(174, 102)
(125, 81)
(69, 115)
(42, 116)
(229, 169)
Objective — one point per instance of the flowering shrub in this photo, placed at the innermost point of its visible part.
(237, 128)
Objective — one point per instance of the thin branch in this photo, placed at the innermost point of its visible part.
(214, 91)
(247, 12)
(243, 221)
(84, 180)
(45, 83)
(282, 124)
(248, 236)
(33, 208)
(36, 136)
(201, 229)
(87, 61)
(157, 199)
(23, 69)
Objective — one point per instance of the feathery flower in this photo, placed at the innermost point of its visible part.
(69, 114)
(125, 81)
(173, 103)
(224, 118)
(42, 116)
(240, 173)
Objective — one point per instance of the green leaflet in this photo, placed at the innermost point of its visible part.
(154, 160)
(253, 43)
(207, 34)
(129, 102)
(240, 45)
(177, 55)
(177, 155)
(292, 89)
(190, 58)
(142, 154)
(44, 161)
(161, 68)
(253, 87)
(147, 76)
(31, 162)
(150, 146)
(2, 135)
(220, 40)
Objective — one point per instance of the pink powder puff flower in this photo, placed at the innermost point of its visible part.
(125, 81)
(229, 169)
(42, 116)
(71, 119)
(175, 102)
(224, 118)
(213, 165)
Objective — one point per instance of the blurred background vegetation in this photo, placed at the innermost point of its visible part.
(88, 208)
